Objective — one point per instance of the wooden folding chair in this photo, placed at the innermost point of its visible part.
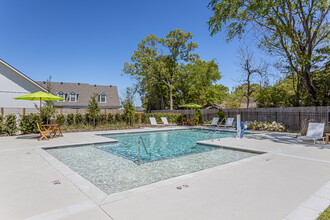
(43, 133)
(195, 121)
(59, 130)
(184, 121)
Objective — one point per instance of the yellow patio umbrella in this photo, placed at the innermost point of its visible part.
(39, 96)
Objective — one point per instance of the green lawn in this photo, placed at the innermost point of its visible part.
(325, 215)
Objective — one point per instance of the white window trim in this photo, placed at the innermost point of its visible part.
(75, 99)
(60, 96)
(105, 98)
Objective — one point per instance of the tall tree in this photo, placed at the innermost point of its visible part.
(93, 108)
(157, 59)
(128, 104)
(198, 83)
(238, 95)
(293, 30)
(250, 68)
(180, 49)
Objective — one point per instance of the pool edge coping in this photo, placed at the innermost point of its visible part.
(102, 198)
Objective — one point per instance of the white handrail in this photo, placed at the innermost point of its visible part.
(141, 140)
(214, 134)
(207, 135)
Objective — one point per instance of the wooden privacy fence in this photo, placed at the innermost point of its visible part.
(290, 116)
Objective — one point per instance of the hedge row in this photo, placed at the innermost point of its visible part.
(8, 125)
(28, 123)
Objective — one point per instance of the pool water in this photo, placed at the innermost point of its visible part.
(113, 172)
(159, 145)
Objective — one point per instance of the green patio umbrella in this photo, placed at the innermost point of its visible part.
(39, 96)
(191, 105)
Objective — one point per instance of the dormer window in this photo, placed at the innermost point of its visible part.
(73, 97)
(102, 98)
(62, 95)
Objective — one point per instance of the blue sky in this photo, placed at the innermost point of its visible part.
(89, 41)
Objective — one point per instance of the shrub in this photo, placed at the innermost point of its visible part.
(101, 119)
(118, 118)
(198, 114)
(137, 117)
(87, 119)
(221, 115)
(10, 124)
(70, 119)
(79, 119)
(181, 117)
(266, 126)
(110, 118)
(28, 123)
(2, 130)
(60, 119)
(93, 109)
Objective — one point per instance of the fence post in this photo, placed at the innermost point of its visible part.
(2, 112)
(276, 116)
(299, 121)
(23, 111)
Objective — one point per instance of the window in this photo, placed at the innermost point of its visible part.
(73, 97)
(62, 95)
(103, 98)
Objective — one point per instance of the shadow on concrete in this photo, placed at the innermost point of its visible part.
(287, 138)
(30, 136)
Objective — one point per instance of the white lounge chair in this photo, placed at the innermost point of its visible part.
(153, 122)
(314, 132)
(165, 122)
(229, 123)
(214, 122)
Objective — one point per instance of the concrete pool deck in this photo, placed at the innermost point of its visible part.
(289, 181)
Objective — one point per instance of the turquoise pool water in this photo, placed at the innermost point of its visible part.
(111, 167)
(159, 145)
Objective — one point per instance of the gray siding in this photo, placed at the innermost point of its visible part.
(13, 84)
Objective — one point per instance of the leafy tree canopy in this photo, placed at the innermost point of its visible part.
(169, 73)
(296, 31)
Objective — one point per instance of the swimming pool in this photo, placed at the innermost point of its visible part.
(159, 145)
(115, 170)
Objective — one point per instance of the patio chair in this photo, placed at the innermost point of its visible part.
(229, 123)
(214, 122)
(184, 121)
(195, 121)
(165, 122)
(43, 133)
(58, 130)
(314, 132)
(153, 122)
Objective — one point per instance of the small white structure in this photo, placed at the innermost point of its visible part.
(238, 126)
(13, 83)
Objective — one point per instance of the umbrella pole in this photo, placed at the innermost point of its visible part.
(40, 110)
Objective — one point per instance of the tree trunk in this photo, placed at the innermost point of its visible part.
(171, 98)
(309, 89)
(248, 90)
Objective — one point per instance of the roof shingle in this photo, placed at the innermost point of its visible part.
(84, 91)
